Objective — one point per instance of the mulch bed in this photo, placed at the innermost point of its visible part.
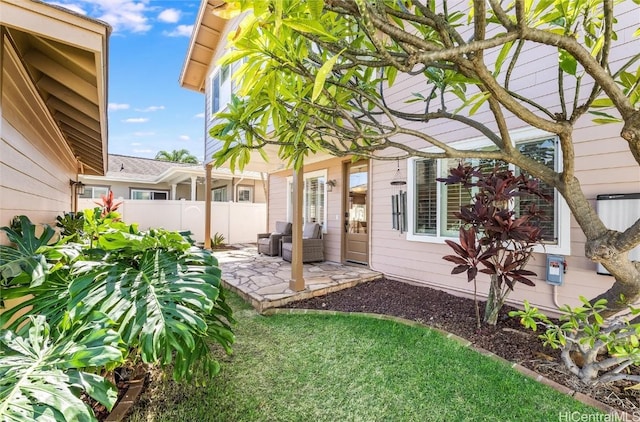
(454, 314)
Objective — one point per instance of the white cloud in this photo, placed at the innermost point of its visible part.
(116, 106)
(143, 134)
(169, 16)
(73, 7)
(135, 144)
(184, 137)
(199, 116)
(150, 109)
(122, 15)
(180, 31)
(136, 120)
(143, 151)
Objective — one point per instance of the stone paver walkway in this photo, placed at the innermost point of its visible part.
(264, 280)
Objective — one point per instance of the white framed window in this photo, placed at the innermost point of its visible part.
(220, 86)
(149, 194)
(314, 206)
(431, 204)
(219, 194)
(94, 192)
(245, 194)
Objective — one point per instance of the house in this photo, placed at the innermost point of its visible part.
(53, 107)
(140, 178)
(353, 200)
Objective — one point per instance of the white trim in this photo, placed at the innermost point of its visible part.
(311, 174)
(562, 219)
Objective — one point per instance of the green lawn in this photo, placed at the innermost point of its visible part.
(353, 368)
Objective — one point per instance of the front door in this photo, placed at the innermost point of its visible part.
(356, 228)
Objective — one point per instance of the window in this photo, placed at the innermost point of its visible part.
(94, 192)
(220, 89)
(220, 194)
(245, 193)
(149, 194)
(432, 204)
(314, 206)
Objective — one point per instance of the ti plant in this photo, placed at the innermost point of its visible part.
(495, 238)
(593, 351)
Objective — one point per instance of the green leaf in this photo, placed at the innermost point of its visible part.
(38, 376)
(484, 97)
(602, 102)
(315, 8)
(308, 26)
(321, 77)
(568, 63)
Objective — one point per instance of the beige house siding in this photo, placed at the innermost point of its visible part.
(333, 230)
(35, 162)
(603, 164)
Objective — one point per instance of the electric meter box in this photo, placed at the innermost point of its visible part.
(555, 269)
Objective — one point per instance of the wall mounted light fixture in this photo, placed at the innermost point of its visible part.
(78, 186)
(330, 184)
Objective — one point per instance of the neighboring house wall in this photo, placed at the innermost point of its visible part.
(183, 190)
(35, 162)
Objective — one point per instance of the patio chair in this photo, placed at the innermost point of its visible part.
(312, 244)
(269, 243)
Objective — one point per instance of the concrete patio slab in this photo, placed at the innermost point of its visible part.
(264, 280)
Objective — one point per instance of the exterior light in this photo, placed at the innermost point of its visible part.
(78, 186)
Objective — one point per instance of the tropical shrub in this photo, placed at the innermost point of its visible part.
(493, 234)
(163, 296)
(41, 368)
(217, 240)
(592, 350)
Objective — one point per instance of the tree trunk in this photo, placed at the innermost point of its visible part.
(606, 247)
(495, 300)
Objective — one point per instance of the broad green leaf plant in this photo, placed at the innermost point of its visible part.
(162, 297)
(41, 368)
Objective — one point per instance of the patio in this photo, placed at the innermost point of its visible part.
(264, 280)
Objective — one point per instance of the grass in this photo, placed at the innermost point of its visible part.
(353, 368)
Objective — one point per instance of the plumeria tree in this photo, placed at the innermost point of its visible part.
(320, 75)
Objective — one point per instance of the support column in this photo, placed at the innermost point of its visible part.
(297, 281)
(207, 206)
(194, 180)
(173, 191)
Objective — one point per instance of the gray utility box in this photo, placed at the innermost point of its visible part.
(619, 212)
(555, 269)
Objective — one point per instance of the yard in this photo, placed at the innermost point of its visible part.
(329, 368)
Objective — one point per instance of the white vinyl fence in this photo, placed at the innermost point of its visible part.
(238, 222)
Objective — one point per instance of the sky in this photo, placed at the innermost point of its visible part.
(148, 110)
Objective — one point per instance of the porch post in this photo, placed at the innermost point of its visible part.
(297, 281)
(173, 191)
(193, 187)
(207, 206)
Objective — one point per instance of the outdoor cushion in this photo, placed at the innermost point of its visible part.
(311, 231)
(283, 227)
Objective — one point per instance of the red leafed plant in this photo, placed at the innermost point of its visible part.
(108, 204)
(494, 238)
